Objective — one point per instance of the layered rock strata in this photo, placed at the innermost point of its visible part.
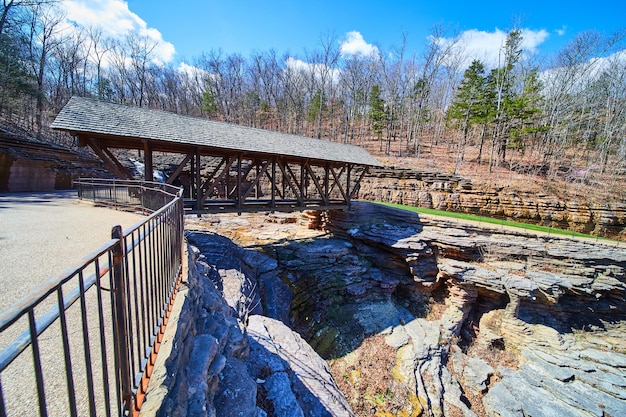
(227, 361)
(454, 193)
(557, 304)
(30, 165)
(483, 320)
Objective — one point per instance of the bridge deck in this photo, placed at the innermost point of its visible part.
(223, 167)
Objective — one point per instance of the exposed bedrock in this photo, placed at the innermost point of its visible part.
(480, 320)
(30, 165)
(227, 361)
(454, 193)
(556, 304)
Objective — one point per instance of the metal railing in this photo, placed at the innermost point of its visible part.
(128, 194)
(84, 343)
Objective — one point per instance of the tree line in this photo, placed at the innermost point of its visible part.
(565, 111)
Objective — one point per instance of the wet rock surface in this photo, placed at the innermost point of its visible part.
(481, 320)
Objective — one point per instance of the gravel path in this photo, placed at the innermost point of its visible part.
(41, 234)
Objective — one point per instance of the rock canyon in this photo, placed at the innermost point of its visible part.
(378, 311)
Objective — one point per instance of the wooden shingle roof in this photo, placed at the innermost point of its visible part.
(85, 116)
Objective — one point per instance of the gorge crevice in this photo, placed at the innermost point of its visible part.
(420, 315)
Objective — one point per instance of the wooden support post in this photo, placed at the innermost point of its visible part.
(256, 184)
(212, 179)
(239, 181)
(337, 182)
(326, 184)
(290, 179)
(358, 182)
(318, 186)
(273, 203)
(348, 185)
(303, 177)
(198, 179)
(148, 170)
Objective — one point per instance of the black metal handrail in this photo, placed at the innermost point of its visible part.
(94, 329)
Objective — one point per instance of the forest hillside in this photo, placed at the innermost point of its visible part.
(551, 124)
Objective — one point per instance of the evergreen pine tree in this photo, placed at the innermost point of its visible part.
(377, 113)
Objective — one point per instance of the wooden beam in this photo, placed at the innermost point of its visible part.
(358, 182)
(316, 182)
(179, 168)
(224, 173)
(116, 162)
(109, 159)
(286, 170)
(338, 182)
(244, 175)
(256, 183)
(210, 177)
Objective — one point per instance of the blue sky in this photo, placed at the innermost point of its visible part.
(189, 27)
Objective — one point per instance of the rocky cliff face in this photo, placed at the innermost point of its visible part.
(227, 361)
(453, 193)
(556, 305)
(30, 165)
(474, 320)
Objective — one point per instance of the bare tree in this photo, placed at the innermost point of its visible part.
(322, 64)
(564, 82)
(438, 51)
(98, 49)
(355, 83)
(45, 31)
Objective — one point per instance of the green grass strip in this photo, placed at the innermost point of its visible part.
(490, 220)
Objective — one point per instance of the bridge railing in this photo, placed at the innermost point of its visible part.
(84, 343)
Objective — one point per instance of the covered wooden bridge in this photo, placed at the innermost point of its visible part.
(223, 167)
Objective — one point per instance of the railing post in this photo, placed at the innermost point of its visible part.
(120, 319)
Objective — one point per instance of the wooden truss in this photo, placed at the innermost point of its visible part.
(234, 183)
(217, 182)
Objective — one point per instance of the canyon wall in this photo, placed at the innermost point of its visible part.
(30, 165)
(470, 319)
(453, 193)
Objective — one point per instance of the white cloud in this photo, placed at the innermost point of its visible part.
(533, 38)
(192, 71)
(561, 31)
(487, 46)
(116, 20)
(305, 69)
(354, 44)
(297, 64)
